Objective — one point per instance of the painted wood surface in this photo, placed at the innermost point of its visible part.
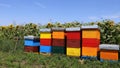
(73, 35)
(73, 51)
(109, 54)
(89, 51)
(46, 42)
(75, 43)
(45, 35)
(31, 48)
(91, 34)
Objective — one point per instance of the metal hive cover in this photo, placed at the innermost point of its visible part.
(90, 27)
(31, 37)
(73, 29)
(58, 29)
(109, 46)
(45, 30)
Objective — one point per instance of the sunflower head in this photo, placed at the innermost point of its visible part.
(11, 26)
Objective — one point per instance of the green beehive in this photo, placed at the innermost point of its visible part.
(58, 49)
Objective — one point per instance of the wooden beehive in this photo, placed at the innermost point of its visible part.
(73, 52)
(31, 43)
(109, 52)
(73, 41)
(90, 51)
(58, 40)
(45, 40)
(90, 40)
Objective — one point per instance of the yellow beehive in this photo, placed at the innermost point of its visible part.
(58, 35)
(91, 34)
(45, 35)
(73, 52)
(90, 51)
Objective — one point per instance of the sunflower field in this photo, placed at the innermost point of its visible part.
(12, 45)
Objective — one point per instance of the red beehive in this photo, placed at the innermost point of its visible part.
(45, 42)
(58, 42)
(45, 37)
(31, 48)
(90, 42)
(73, 35)
(73, 43)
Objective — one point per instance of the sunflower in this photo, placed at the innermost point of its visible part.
(3, 27)
(10, 26)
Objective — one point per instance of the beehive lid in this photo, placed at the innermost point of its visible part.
(45, 30)
(58, 29)
(109, 47)
(31, 37)
(73, 29)
(90, 27)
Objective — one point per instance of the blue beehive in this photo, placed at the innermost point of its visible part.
(31, 41)
(45, 40)
(45, 49)
(31, 44)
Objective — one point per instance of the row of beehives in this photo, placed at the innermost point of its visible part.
(79, 42)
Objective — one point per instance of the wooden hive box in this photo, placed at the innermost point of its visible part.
(73, 52)
(31, 44)
(58, 40)
(45, 49)
(58, 33)
(73, 43)
(31, 41)
(109, 52)
(73, 40)
(73, 37)
(45, 33)
(58, 50)
(46, 41)
(90, 32)
(45, 37)
(90, 42)
(90, 51)
(31, 48)
(73, 33)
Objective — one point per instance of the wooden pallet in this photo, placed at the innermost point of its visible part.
(46, 54)
(32, 52)
(88, 57)
(112, 61)
(73, 56)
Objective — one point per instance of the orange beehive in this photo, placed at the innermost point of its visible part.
(58, 35)
(89, 51)
(90, 41)
(91, 33)
(109, 54)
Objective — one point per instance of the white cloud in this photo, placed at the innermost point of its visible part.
(5, 5)
(39, 5)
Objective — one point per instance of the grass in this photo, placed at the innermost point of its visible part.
(13, 56)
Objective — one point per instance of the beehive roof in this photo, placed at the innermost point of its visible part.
(73, 29)
(45, 30)
(90, 27)
(109, 47)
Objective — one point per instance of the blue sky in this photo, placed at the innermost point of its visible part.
(43, 11)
